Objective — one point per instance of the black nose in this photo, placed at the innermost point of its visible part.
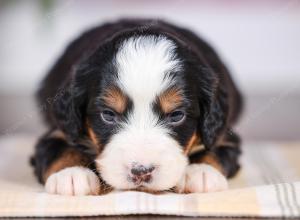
(139, 170)
(141, 173)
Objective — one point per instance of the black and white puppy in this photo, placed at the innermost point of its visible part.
(138, 105)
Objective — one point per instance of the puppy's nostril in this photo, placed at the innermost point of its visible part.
(139, 170)
(151, 168)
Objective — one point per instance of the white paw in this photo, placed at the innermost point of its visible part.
(73, 181)
(201, 178)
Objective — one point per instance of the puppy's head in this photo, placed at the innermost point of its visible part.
(143, 100)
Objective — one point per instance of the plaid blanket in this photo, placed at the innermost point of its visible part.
(267, 186)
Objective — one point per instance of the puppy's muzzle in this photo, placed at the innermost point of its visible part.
(140, 174)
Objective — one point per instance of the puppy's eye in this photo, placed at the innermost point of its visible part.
(109, 116)
(176, 117)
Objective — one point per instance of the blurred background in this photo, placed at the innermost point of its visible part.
(259, 40)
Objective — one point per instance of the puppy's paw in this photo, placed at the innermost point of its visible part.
(201, 178)
(74, 181)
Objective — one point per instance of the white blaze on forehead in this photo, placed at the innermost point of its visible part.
(143, 65)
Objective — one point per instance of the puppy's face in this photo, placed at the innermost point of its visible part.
(142, 116)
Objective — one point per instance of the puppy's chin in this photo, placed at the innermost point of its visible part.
(142, 149)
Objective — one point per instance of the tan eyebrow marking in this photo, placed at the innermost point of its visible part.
(115, 98)
(170, 99)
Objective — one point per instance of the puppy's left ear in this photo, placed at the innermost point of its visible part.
(69, 109)
(213, 107)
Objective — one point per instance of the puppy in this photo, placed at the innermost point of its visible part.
(138, 105)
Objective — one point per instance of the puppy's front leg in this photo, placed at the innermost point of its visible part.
(209, 169)
(63, 168)
(202, 177)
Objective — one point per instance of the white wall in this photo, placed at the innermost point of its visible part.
(259, 40)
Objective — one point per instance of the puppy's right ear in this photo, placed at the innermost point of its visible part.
(69, 110)
(213, 102)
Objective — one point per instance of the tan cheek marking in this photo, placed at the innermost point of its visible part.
(212, 160)
(170, 99)
(114, 98)
(68, 159)
(194, 140)
(93, 137)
